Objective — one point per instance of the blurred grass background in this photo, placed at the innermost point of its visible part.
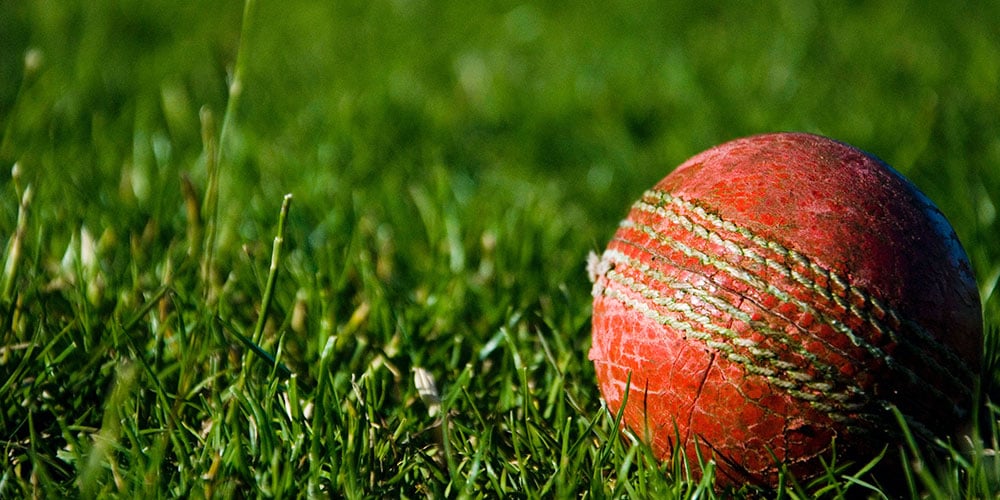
(451, 163)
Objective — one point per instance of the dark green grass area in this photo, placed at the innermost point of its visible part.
(451, 164)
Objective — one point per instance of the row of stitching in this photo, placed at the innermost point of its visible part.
(848, 291)
(742, 275)
(881, 318)
(617, 257)
(841, 406)
(835, 403)
(913, 378)
(780, 373)
(850, 298)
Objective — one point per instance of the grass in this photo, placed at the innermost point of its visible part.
(173, 326)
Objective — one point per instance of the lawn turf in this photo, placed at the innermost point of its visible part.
(451, 164)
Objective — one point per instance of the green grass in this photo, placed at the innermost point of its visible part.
(451, 164)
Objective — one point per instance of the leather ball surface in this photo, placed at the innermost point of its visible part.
(777, 294)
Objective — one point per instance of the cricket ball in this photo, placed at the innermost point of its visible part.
(781, 296)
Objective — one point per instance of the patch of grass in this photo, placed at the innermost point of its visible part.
(452, 164)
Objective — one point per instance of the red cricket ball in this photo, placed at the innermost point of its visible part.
(778, 293)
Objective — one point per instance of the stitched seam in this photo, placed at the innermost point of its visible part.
(818, 391)
(839, 282)
(847, 296)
